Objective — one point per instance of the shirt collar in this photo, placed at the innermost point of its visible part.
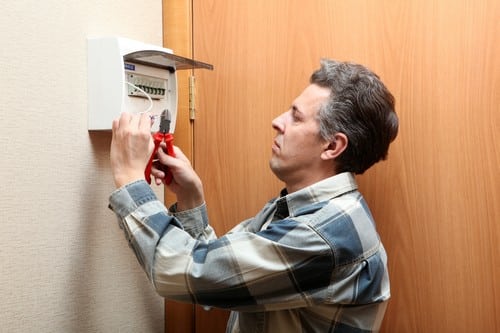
(323, 190)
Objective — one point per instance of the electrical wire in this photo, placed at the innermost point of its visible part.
(147, 96)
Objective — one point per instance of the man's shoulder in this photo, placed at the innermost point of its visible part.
(346, 223)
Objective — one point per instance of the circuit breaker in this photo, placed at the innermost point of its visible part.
(125, 75)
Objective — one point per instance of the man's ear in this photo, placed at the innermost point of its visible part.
(335, 147)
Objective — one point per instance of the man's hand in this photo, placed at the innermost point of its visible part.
(186, 184)
(131, 147)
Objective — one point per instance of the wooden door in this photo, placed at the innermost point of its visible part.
(436, 200)
(177, 22)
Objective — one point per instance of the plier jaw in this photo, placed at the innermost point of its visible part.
(162, 135)
(165, 120)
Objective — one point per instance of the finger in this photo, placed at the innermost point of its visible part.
(177, 151)
(156, 170)
(145, 122)
(115, 124)
(163, 157)
(180, 154)
(124, 120)
(114, 128)
(134, 121)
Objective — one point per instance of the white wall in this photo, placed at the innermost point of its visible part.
(65, 265)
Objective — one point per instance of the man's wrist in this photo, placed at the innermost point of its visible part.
(122, 180)
(190, 199)
(189, 202)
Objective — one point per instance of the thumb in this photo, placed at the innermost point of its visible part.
(180, 154)
(167, 159)
(162, 155)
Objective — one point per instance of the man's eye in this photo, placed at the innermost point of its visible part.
(296, 117)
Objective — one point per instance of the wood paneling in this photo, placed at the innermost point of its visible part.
(437, 198)
(179, 318)
(178, 37)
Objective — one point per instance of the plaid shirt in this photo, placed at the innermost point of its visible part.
(319, 267)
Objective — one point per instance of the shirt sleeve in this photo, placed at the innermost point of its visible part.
(287, 265)
(143, 218)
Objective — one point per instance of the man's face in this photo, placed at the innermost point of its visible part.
(297, 147)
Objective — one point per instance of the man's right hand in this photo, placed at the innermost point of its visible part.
(186, 184)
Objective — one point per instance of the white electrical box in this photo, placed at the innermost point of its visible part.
(130, 76)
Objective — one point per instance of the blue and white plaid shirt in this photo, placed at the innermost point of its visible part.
(319, 267)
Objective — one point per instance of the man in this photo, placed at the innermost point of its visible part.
(311, 260)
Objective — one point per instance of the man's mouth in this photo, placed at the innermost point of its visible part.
(275, 146)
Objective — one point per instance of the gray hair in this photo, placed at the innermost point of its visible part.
(362, 108)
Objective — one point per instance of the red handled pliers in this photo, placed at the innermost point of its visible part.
(162, 135)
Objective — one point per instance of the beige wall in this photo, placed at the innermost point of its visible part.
(65, 266)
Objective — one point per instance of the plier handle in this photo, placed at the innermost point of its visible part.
(162, 135)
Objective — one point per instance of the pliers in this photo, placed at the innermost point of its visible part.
(162, 135)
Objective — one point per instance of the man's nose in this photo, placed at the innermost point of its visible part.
(278, 123)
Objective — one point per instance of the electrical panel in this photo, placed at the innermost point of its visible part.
(130, 76)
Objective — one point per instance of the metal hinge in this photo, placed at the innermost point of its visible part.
(192, 103)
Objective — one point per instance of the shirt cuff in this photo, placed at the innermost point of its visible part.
(193, 220)
(128, 198)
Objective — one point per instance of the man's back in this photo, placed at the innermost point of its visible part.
(337, 277)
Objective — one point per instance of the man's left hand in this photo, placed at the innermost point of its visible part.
(131, 147)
